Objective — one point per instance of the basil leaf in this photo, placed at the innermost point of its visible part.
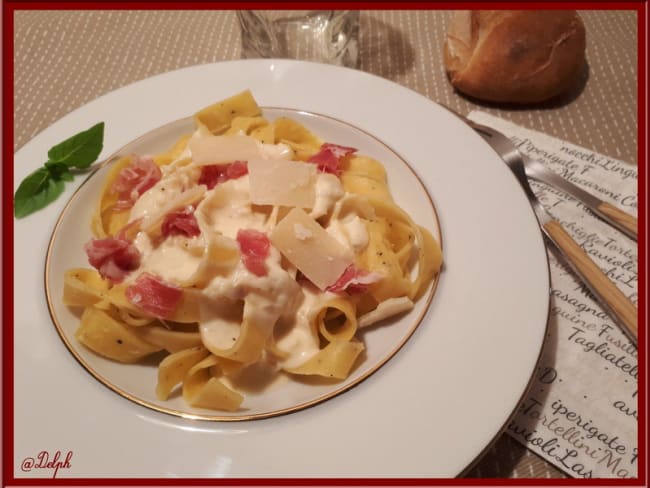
(44, 185)
(59, 171)
(36, 191)
(80, 150)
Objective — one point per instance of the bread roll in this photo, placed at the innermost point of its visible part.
(515, 56)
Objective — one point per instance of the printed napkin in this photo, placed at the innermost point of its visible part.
(581, 411)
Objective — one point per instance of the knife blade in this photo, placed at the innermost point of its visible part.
(614, 216)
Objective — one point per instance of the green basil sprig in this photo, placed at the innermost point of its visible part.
(44, 185)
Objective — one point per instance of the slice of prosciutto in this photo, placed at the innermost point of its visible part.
(130, 230)
(213, 174)
(354, 280)
(180, 222)
(328, 158)
(134, 180)
(152, 295)
(255, 248)
(114, 258)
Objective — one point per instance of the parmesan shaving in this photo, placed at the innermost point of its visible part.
(321, 258)
(302, 232)
(279, 182)
(223, 149)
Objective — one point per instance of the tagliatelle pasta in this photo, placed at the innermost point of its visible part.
(251, 246)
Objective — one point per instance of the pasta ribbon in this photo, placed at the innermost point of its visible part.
(333, 361)
(108, 337)
(429, 256)
(83, 287)
(429, 263)
(202, 389)
(365, 176)
(379, 257)
(265, 134)
(248, 346)
(128, 318)
(218, 117)
(337, 320)
(257, 127)
(106, 221)
(170, 340)
(393, 236)
(173, 369)
(173, 153)
(303, 142)
(365, 166)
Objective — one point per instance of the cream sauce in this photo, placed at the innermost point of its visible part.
(298, 338)
(351, 232)
(266, 299)
(228, 208)
(174, 259)
(328, 191)
(271, 302)
(168, 188)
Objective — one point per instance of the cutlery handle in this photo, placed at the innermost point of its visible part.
(606, 291)
(622, 218)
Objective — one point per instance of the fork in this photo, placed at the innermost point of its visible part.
(617, 218)
(614, 302)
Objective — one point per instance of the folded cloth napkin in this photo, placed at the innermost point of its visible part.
(581, 411)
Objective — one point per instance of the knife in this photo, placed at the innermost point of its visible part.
(614, 216)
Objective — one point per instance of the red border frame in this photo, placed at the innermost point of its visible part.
(6, 206)
(7, 241)
(642, 161)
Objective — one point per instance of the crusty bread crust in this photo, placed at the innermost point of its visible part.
(515, 56)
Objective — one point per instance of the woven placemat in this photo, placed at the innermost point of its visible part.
(64, 59)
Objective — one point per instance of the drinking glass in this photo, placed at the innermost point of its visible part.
(325, 36)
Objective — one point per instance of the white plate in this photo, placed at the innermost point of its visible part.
(429, 412)
(137, 382)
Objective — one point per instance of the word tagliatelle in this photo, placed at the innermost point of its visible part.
(251, 245)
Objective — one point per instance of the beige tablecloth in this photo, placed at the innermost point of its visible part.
(64, 59)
